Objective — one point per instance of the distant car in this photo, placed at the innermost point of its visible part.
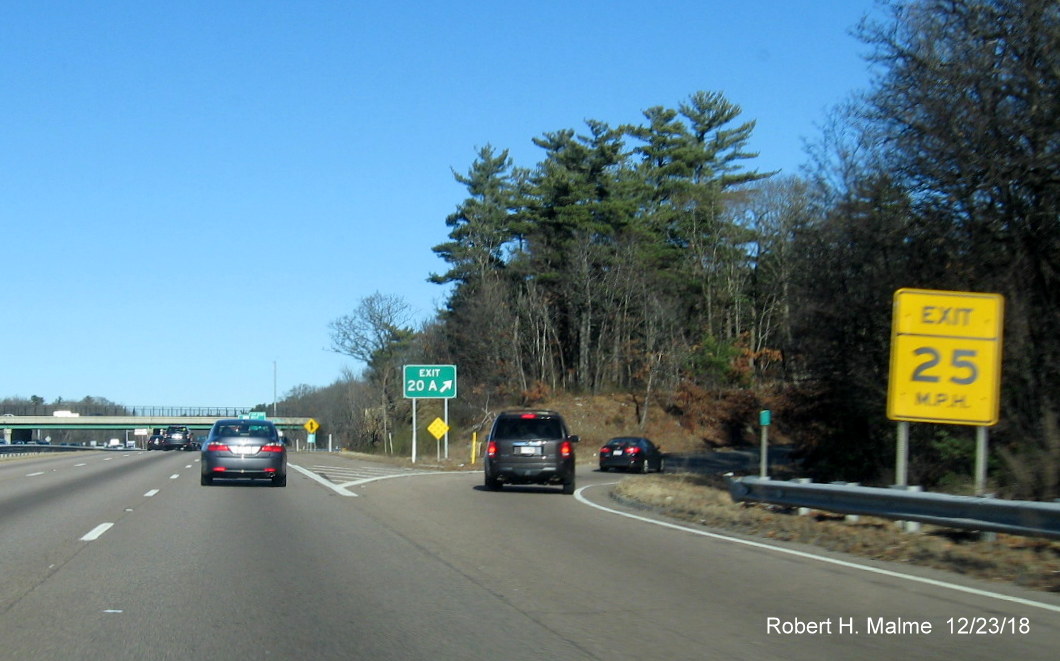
(177, 437)
(631, 453)
(156, 442)
(530, 447)
(244, 449)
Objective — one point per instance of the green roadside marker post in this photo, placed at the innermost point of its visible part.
(764, 419)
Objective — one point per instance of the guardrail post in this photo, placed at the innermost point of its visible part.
(986, 535)
(908, 526)
(803, 511)
(852, 518)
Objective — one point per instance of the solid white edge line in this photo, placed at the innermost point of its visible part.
(96, 532)
(819, 558)
(310, 474)
(366, 480)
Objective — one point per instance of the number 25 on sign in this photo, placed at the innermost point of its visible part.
(945, 357)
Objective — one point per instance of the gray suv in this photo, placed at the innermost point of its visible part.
(530, 447)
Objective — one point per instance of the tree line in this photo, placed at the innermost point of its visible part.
(654, 259)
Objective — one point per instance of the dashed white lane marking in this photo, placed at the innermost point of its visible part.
(35, 474)
(95, 533)
(150, 493)
(174, 476)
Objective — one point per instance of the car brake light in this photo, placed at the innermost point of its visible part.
(270, 470)
(272, 447)
(219, 469)
(605, 450)
(218, 447)
(528, 416)
(491, 449)
(565, 449)
(632, 450)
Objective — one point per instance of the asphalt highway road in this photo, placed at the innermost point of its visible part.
(123, 555)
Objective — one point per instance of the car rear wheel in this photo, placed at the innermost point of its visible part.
(492, 483)
(279, 481)
(568, 487)
(205, 480)
(646, 467)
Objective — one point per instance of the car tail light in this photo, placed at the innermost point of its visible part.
(218, 447)
(491, 449)
(632, 451)
(272, 447)
(605, 450)
(565, 449)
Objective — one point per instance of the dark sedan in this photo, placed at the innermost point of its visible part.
(631, 453)
(244, 449)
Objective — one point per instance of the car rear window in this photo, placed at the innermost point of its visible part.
(249, 430)
(515, 429)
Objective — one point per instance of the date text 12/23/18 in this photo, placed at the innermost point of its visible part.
(896, 626)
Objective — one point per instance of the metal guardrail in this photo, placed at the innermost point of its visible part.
(1017, 517)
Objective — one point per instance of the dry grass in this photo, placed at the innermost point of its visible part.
(1028, 562)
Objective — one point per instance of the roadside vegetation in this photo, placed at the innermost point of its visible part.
(653, 263)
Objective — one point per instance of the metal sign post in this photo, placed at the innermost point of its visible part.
(429, 382)
(945, 366)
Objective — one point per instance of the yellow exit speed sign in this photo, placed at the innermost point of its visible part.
(945, 357)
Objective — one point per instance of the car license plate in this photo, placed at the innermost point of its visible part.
(618, 453)
(525, 449)
(246, 449)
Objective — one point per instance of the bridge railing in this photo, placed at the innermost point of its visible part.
(122, 410)
(18, 449)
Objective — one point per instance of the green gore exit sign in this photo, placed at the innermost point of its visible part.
(430, 381)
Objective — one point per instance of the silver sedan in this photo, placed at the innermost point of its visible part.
(244, 449)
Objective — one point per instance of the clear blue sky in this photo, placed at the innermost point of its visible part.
(191, 191)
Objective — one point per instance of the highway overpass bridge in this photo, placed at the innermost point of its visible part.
(22, 426)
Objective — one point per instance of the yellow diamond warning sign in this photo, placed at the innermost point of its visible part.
(438, 428)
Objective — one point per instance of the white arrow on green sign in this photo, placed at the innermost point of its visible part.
(430, 381)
